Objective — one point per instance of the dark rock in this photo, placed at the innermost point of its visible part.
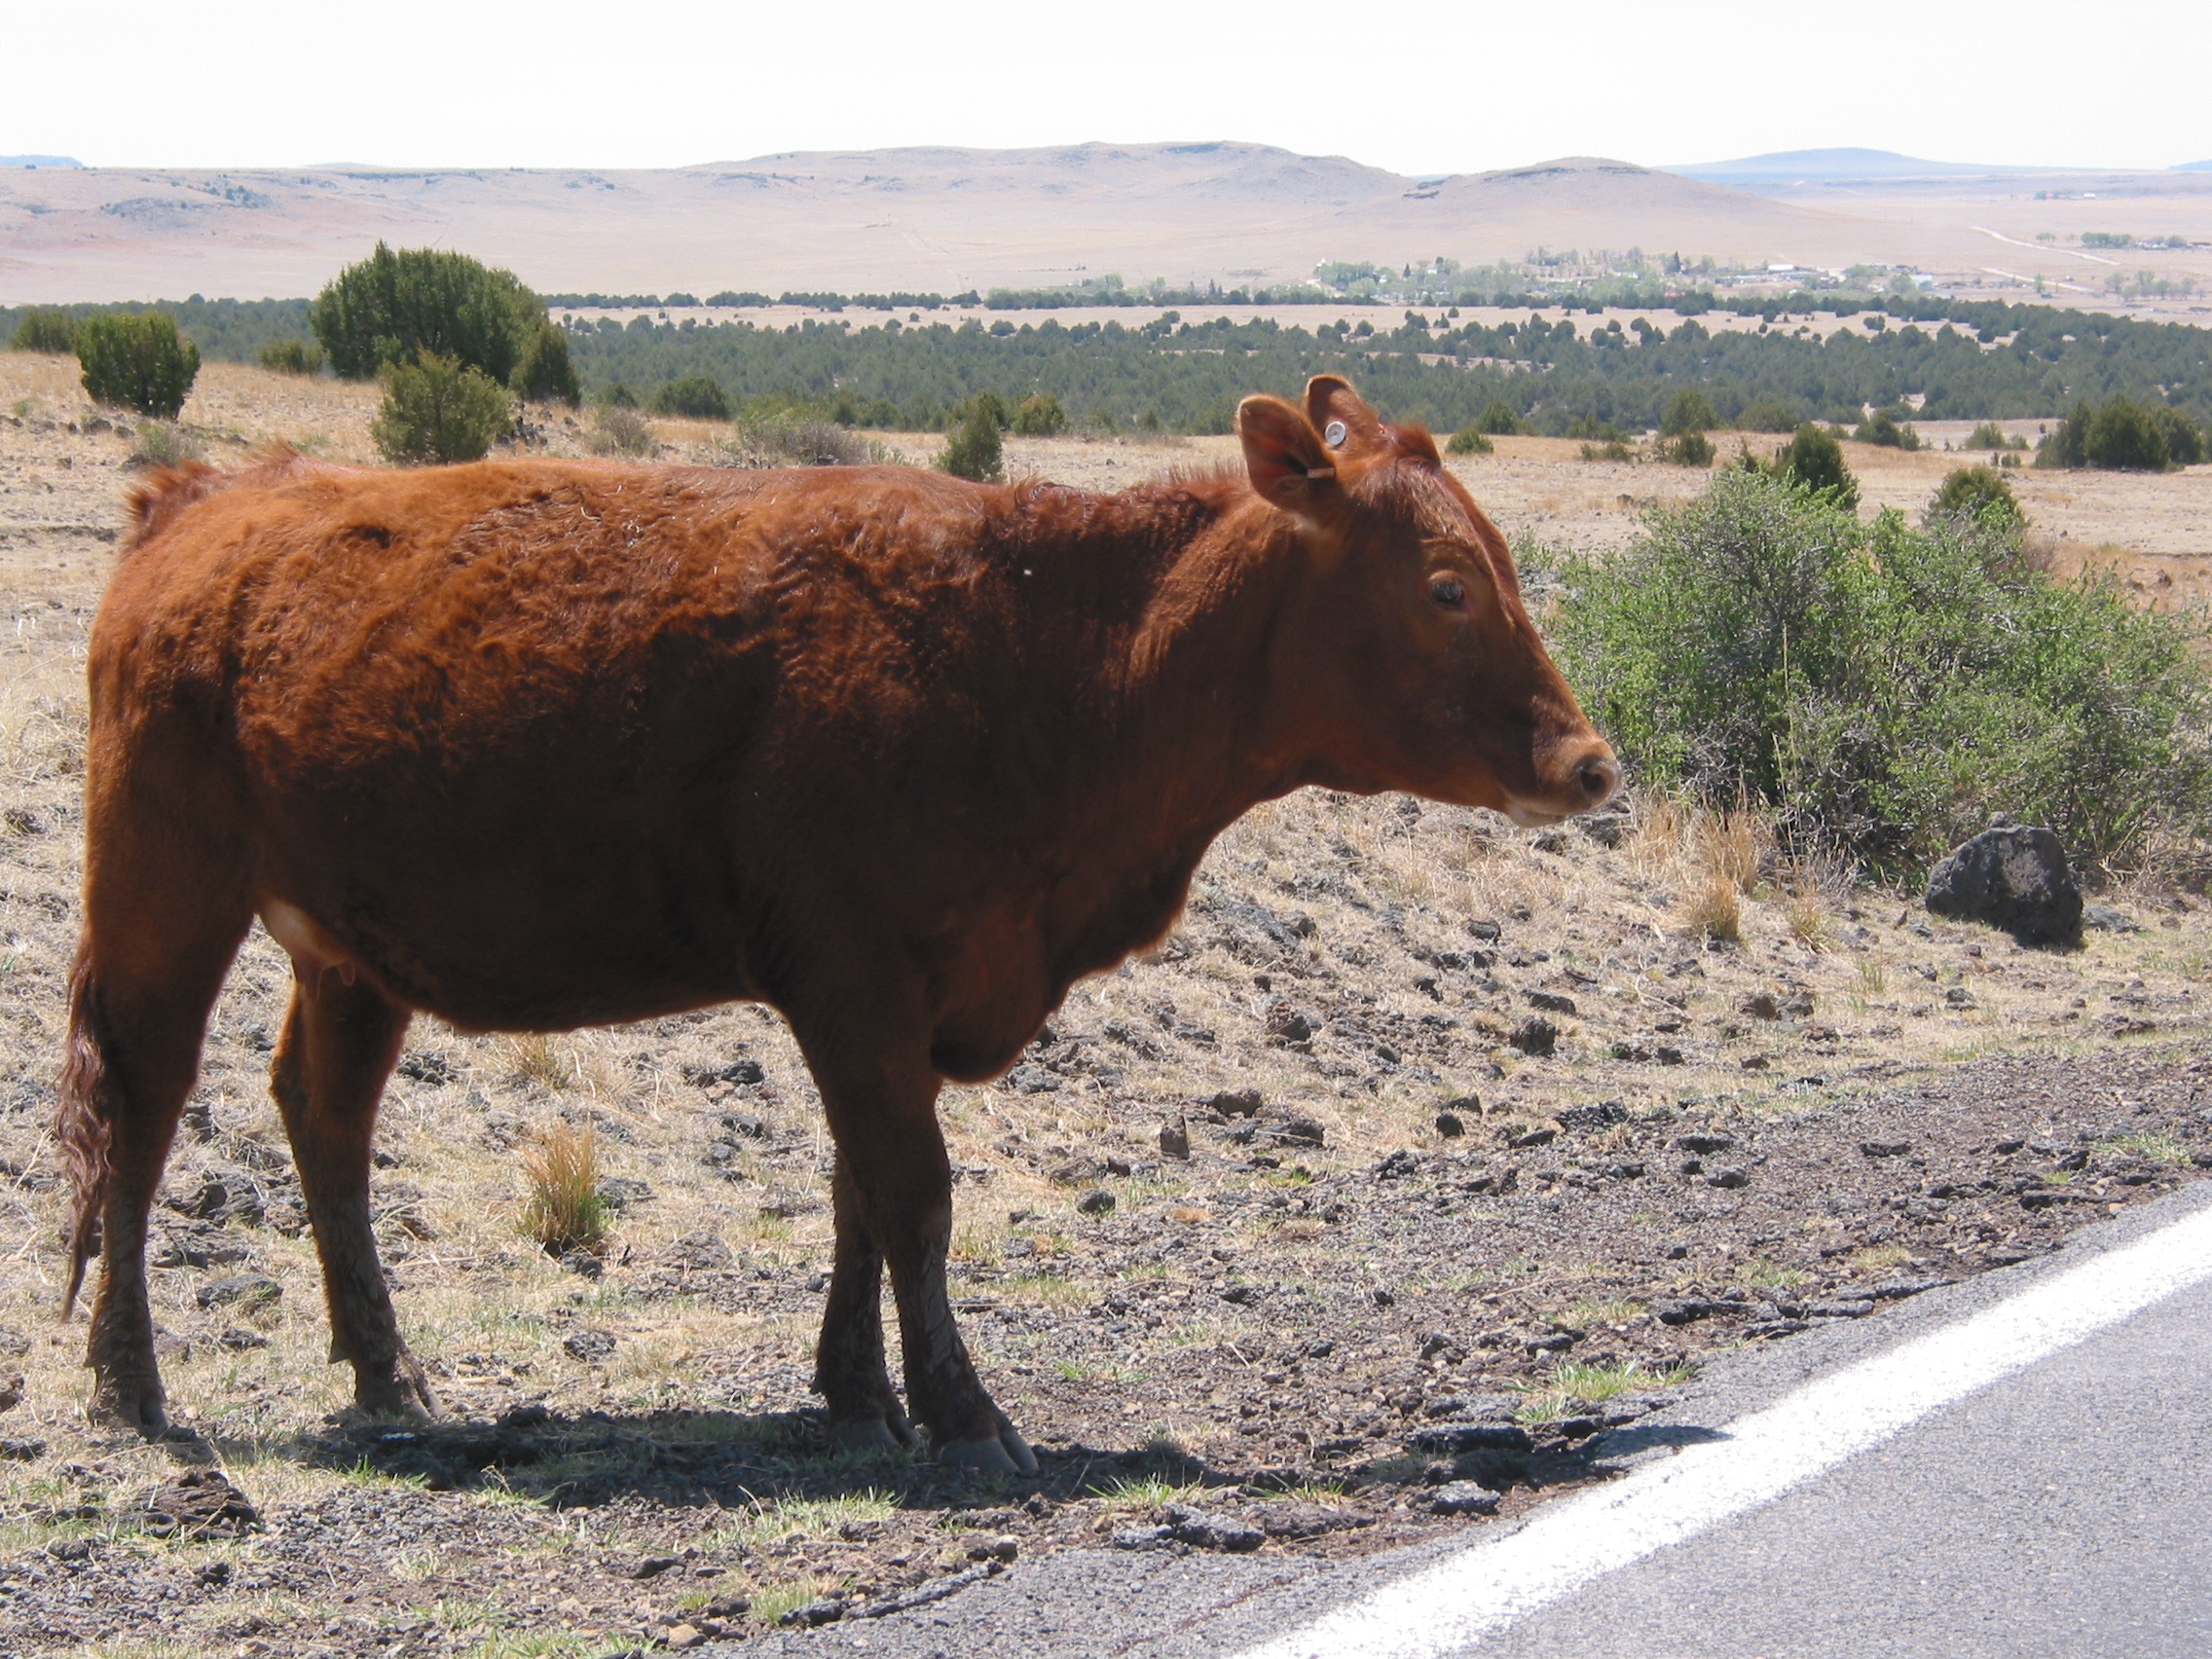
(425, 1066)
(1175, 1138)
(1731, 1176)
(1451, 1126)
(653, 1566)
(200, 1503)
(1535, 1037)
(14, 1345)
(1098, 1201)
(1244, 1295)
(1288, 1024)
(814, 1614)
(244, 1290)
(1463, 1497)
(1298, 1128)
(1142, 1537)
(1702, 1144)
(1237, 1103)
(1534, 1138)
(619, 1193)
(1551, 1001)
(1688, 1310)
(1398, 1167)
(731, 1071)
(200, 1246)
(2013, 877)
(238, 1339)
(1029, 1078)
(1760, 1005)
(590, 1347)
(1074, 1172)
(1450, 1439)
(1893, 1289)
(1885, 1148)
(583, 1263)
(2108, 919)
(18, 1450)
(1840, 1307)
(1202, 1529)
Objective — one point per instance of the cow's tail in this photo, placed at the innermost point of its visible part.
(85, 1120)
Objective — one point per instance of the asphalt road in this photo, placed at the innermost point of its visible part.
(2063, 1510)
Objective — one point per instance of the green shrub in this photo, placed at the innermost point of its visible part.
(137, 362)
(1470, 440)
(2124, 436)
(1989, 435)
(1881, 428)
(1881, 689)
(1040, 416)
(393, 308)
(437, 410)
(46, 330)
(292, 358)
(991, 405)
(975, 451)
(1687, 448)
(696, 398)
(544, 374)
(1814, 460)
(1767, 415)
(617, 428)
(165, 443)
(789, 438)
(1498, 419)
(1980, 494)
(1689, 410)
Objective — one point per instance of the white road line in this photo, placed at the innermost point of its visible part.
(2034, 247)
(1452, 1605)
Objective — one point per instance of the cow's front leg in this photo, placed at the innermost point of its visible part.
(897, 1186)
(849, 1372)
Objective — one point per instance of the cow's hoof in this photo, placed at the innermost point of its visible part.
(889, 1432)
(1005, 1453)
(135, 1403)
(405, 1394)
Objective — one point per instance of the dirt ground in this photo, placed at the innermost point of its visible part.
(1290, 1236)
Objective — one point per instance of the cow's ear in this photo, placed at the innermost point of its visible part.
(1351, 431)
(1283, 453)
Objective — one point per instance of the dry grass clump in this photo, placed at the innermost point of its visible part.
(563, 1210)
(617, 431)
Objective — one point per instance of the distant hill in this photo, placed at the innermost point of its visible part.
(40, 162)
(1827, 167)
(2194, 166)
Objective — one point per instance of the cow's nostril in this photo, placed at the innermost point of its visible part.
(1598, 775)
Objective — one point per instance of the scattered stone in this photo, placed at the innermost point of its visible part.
(740, 1071)
(1141, 1538)
(1237, 1103)
(1885, 1148)
(1451, 1126)
(1030, 1078)
(1398, 1167)
(1098, 1201)
(1535, 1037)
(14, 1345)
(1175, 1138)
(590, 1347)
(2015, 877)
(1204, 1530)
(425, 1066)
(238, 1339)
(2109, 920)
(1288, 1024)
(1452, 1439)
(815, 1614)
(1760, 1005)
(1074, 1172)
(1590, 1119)
(1534, 1138)
(685, 1635)
(1688, 1310)
(703, 1251)
(653, 1566)
(1298, 1128)
(1730, 1176)
(583, 1263)
(199, 1503)
(1893, 1289)
(242, 1290)
(1840, 1307)
(619, 1193)
(1702, 1144)
(1551, 1001)
(20, 1451)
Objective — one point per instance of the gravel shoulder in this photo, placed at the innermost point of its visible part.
(1425, 1151)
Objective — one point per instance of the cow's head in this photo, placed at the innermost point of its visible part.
(1406, 652)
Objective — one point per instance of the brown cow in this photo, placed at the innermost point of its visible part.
(534, 745)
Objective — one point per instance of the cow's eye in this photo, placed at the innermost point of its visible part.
(1447, 590)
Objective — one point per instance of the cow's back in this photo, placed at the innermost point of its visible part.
(482, 722)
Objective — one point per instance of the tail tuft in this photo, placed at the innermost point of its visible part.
(82, 1122)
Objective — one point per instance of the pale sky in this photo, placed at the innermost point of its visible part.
(1450, 89)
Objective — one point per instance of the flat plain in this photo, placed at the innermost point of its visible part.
(1393, 1237)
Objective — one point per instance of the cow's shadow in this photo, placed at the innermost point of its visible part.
(710, 1460)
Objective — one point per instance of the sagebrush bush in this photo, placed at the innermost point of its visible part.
(137, 362)
(46, 330)
(437, 410)
(292, 358)
(1469, 441)
(1687, 448)
(975, 451)
(1880, 689)
(1882, 430)
(787, 439)
(617, 428)
(165, 443)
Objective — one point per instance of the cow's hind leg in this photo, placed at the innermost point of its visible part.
(147, 973)
(338, 1045)
(883, 1114)
(849, 1372)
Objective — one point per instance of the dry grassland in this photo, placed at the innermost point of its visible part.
(1418, 1222)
